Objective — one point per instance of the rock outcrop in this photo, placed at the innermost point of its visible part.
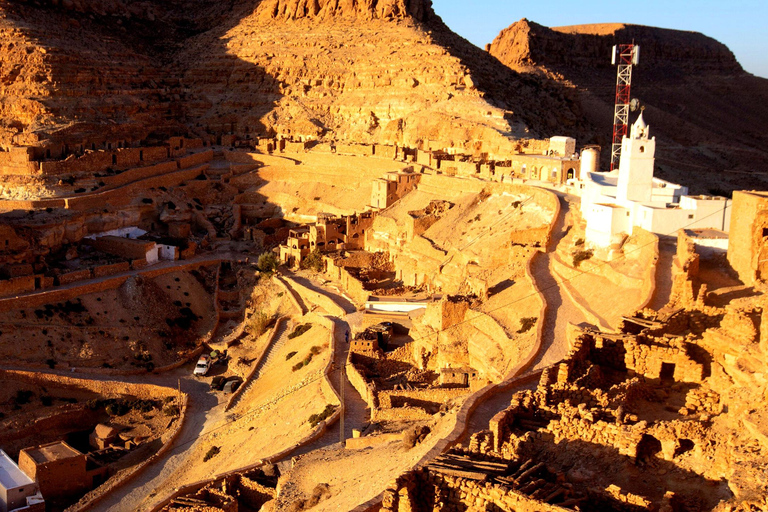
(85, 71)
(704, 107)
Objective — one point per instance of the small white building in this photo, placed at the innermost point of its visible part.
(613, 203)
(17, 490)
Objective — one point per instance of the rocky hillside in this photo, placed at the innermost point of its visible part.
(703, 108)
(381, 70)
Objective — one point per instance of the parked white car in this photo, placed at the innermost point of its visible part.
(203, 365)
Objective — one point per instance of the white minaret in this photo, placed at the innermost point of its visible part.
(636, 165)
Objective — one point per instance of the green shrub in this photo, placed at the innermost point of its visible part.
(526, 324)
(289, 355)
(580, 256)
(116, 409)
(315, 419)
(171, 410)
(313, 261)
(212, 452)
(299, 330)
(258, 323)
(267, 262)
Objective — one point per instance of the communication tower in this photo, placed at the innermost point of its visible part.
(626, 56)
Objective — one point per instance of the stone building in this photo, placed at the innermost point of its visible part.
(60, 470)
(614, 203)
(388, 190)
(748, 240)
(328, 234)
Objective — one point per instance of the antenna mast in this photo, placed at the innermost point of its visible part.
(627, 56)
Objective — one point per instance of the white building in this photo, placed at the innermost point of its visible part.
(613, 203)
(17, 490)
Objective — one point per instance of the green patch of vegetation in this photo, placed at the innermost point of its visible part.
(258, 323)
(579, 242)
(299, 330)
(289, 355)
(526, 324)
(313, 261)
(211, 453)
(315, 419)
(580, 256)
(267, 262)
(171, 410)
(312, 352)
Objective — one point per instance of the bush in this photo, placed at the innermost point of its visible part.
(526, 324)
(299, 330)
(289, 355)
(580, 256)
(51, 363)
(46, 400)
(171, 410)
(267, 262)
(116, 409)
(313, 261)
(258, 323)
(315, 419)
(212, 452)
(22, 396)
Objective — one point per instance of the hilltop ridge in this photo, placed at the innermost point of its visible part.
(701, 104)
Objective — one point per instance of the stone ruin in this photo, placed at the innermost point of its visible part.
(660, 416)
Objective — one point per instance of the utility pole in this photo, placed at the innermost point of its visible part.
(342, 379)
(627, 55)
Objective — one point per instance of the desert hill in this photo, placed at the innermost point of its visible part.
(383, 70)
(703, 107)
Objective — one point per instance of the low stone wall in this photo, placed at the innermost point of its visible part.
(17, 285)
(309, 295)
(317, 433)
(72, 292)
(254, 366)
(366, 389)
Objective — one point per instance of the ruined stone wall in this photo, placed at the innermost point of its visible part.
(17, 286)
(418, 491)
(747, 238)
(367, 390)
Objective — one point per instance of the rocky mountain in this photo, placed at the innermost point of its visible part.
(365, 70)
(705, 110)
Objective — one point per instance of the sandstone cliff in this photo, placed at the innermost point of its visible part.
(701, 105)
(79, 71)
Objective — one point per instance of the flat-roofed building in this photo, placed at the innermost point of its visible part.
(17, 489)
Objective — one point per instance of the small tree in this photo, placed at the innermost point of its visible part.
(268, 262)
(313, 261)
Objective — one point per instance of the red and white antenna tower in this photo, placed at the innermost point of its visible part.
(627, 55)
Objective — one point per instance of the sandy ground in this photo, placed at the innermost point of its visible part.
(111, 329)
(305, 184)
(355, 476)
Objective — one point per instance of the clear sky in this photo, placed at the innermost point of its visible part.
(742, 25)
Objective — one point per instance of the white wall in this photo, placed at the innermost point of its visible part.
(395, 307)
(167, 252)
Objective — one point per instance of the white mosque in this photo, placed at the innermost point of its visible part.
(614, 203)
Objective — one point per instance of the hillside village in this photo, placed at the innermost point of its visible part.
(252, 280)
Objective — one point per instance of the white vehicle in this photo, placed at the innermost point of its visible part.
(203, 365)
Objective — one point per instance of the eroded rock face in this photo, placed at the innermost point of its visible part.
(79, 71)
(525, 44)
(366, 9)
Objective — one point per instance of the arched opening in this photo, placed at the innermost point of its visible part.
(570, 174)
(114, 159)
(683, 446)
(647, 448)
